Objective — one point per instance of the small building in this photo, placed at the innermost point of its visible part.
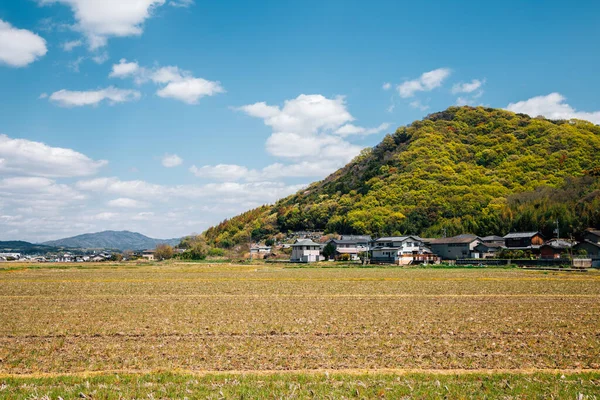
(360, 240)
(493, 239)
(488, 249)
(260, 251)
(457, 247)
(401, 250)
(148, 255)
(555, 248)
(592, 249)
(524, 241)
(306, 251)
(352, 246)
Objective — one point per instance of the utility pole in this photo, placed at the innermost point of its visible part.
(557, 230)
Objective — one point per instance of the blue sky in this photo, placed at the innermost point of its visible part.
(166, 116)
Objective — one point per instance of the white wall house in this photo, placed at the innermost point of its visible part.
(402, 250)
(306, 251)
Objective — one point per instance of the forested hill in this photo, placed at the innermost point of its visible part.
(479, 170)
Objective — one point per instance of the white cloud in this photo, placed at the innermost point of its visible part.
(101, 58)
(425, 83)
(100, 20)
(386, 86)
(178, 84)
(305, 114)
(19, 47)
(310, 128)
(351, 129)
(70, 45)
(171, 160)
(190, 90)
(74, 65)
(552, 106)
(25, 157)
(67, 98)
(419, 105)
(125, 202)
(181, 3)
(467, 87)
(124, 69)
(226, 172)
(232, 172)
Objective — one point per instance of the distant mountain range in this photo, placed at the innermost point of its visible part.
(117, 240)
(18, 246)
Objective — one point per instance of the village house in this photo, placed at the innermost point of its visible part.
(592, 249)
(524, 241)
(350, 245)
(260, 251)
(493, 239)
(457, 247)
(305, 251)
(148, 255)
(401, 250)
(488, 249)
(556, 248)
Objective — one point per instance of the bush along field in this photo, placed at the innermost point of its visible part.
(181, 329)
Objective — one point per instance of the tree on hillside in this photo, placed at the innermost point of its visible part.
(163, 252)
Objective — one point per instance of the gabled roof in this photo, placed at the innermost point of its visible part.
(466, 238)
(491, 245)
(558, 244)
(356, 237)
(397, 238)
(492, 238)
(305, 242)
(344, 241)
(521, 235)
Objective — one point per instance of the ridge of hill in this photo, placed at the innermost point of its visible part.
(117, 240)
(465, 169)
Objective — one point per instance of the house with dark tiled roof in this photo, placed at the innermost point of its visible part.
(457, 247)
(556, 248)
(524, 241)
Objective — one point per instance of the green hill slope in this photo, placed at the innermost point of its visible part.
(465, 169)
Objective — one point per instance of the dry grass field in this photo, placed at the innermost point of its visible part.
(274, 331)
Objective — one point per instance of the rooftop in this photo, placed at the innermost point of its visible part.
(520, 235)
(305, 242)
(466, 238)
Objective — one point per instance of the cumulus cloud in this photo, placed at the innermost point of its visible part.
(467, 87)
(351, 129)
(386, 86)
(171, 160)
(100, 20)
(233, 172)
(552, 106)
(125, 202)
(26, 157)
(70, 45)
(425, 83)
(124, 69)
(176, 83)
(19, 47)
(310, 128)
(225, 172)
(68, 98)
